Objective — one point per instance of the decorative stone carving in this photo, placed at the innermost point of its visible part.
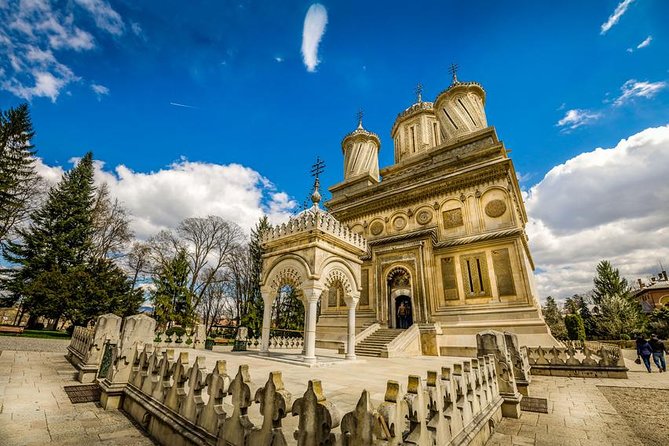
(453, 218)
(393, 414)
(273, 399)
(493, 343)
(287, 276)
(338, 275)
(399, 223)
(357, 427)
(317, 417)
(424, 217)
(376, 228)
(212, 415)
(495, 208)
(238, 425)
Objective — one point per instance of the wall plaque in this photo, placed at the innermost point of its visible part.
(453, 218)
(495, 208)
(503, 272)
(399, 223)
(448, 278)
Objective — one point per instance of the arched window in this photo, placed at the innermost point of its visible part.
(336, 295)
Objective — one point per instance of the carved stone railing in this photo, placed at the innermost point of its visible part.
(193, 338)
(604, 362)
(276, 343)
(82, 339)
(87, 345)
(179, 402)
(307, 221)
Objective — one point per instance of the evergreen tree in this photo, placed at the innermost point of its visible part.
(608, 282)
(586, 315)
(575, 328)
(253, 311)
(18, 178)
(618, 316)
(554, 319)
(172, 298)
(56, 274)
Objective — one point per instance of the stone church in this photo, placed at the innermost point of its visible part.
(445, 227)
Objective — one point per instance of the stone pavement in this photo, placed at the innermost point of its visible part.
(21, 343)
(578, 412)
(34, 409)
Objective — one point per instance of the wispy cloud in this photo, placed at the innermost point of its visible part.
(617, 14)
(645, 43)
(32, 36)
(100, 90)
(279, 59)
(314, 28)
(576, 118)
(638, 89)
(103, 15)
(176, 104)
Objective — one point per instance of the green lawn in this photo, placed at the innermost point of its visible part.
(44, 334)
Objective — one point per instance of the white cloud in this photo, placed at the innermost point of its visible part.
(576, 118)
(314, 28)
(635, 89)
(645, 43)
(32, 35)
(603, 204)
(278, 59)
(617, 14)
(176, 104)
(103, 15)
(100, 90)
(160, 200)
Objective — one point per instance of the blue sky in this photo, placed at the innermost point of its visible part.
(114, 71)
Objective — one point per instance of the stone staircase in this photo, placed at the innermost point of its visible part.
(374, 343)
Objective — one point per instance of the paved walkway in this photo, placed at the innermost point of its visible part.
(34, 409)
(578, 413)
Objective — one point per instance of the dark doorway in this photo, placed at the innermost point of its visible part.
(403, 312)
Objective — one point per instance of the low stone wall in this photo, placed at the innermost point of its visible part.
(193, 338)
(180, 403)
(276, 343)
(604, 362)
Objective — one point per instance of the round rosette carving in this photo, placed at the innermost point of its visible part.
(424, 217)
(399, 223)
(495, 208)
(376, 228)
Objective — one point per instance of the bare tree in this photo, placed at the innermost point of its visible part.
(111, 225)
(139, 262)
(217, 302)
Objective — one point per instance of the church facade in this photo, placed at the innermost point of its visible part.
(445, 226)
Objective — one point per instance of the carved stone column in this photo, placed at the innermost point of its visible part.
(350, 347)
(311, 299)
(521, 367)
(492, 342)
(266, 321)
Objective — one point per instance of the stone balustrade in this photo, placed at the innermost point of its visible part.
(578, 360)
(81, 341)
(179, 402)
(276, 343)
(193, 338)
(309, 220)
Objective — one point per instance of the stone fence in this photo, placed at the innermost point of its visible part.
(181, 403)
(276, 342)
(193, 338)
(606, 361)
(87, 345)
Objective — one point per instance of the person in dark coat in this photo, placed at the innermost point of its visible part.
(645, 351)
(658, 353)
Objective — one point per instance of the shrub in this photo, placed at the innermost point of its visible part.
(625, 337)
(180, 331)
(575, 327)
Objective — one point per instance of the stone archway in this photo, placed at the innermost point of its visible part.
(401, 308)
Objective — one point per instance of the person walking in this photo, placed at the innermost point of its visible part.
(644, 350)
(658, 353)
(402, 312)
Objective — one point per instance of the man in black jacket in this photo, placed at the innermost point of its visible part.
(658, 353)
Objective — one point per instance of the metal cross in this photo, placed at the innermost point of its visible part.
(360, 114)
(454, 71)
(318, 167)
(419, 92)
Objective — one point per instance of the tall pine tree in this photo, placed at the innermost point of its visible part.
(609, 283)
(18, 178)
(172, 299)
(253, 313)
(55, 274)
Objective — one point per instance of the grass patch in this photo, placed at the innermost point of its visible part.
(42, 334)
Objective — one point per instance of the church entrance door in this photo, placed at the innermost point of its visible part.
(403, 312)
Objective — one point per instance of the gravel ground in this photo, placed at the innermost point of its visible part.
(645, 411)
(18, 343)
